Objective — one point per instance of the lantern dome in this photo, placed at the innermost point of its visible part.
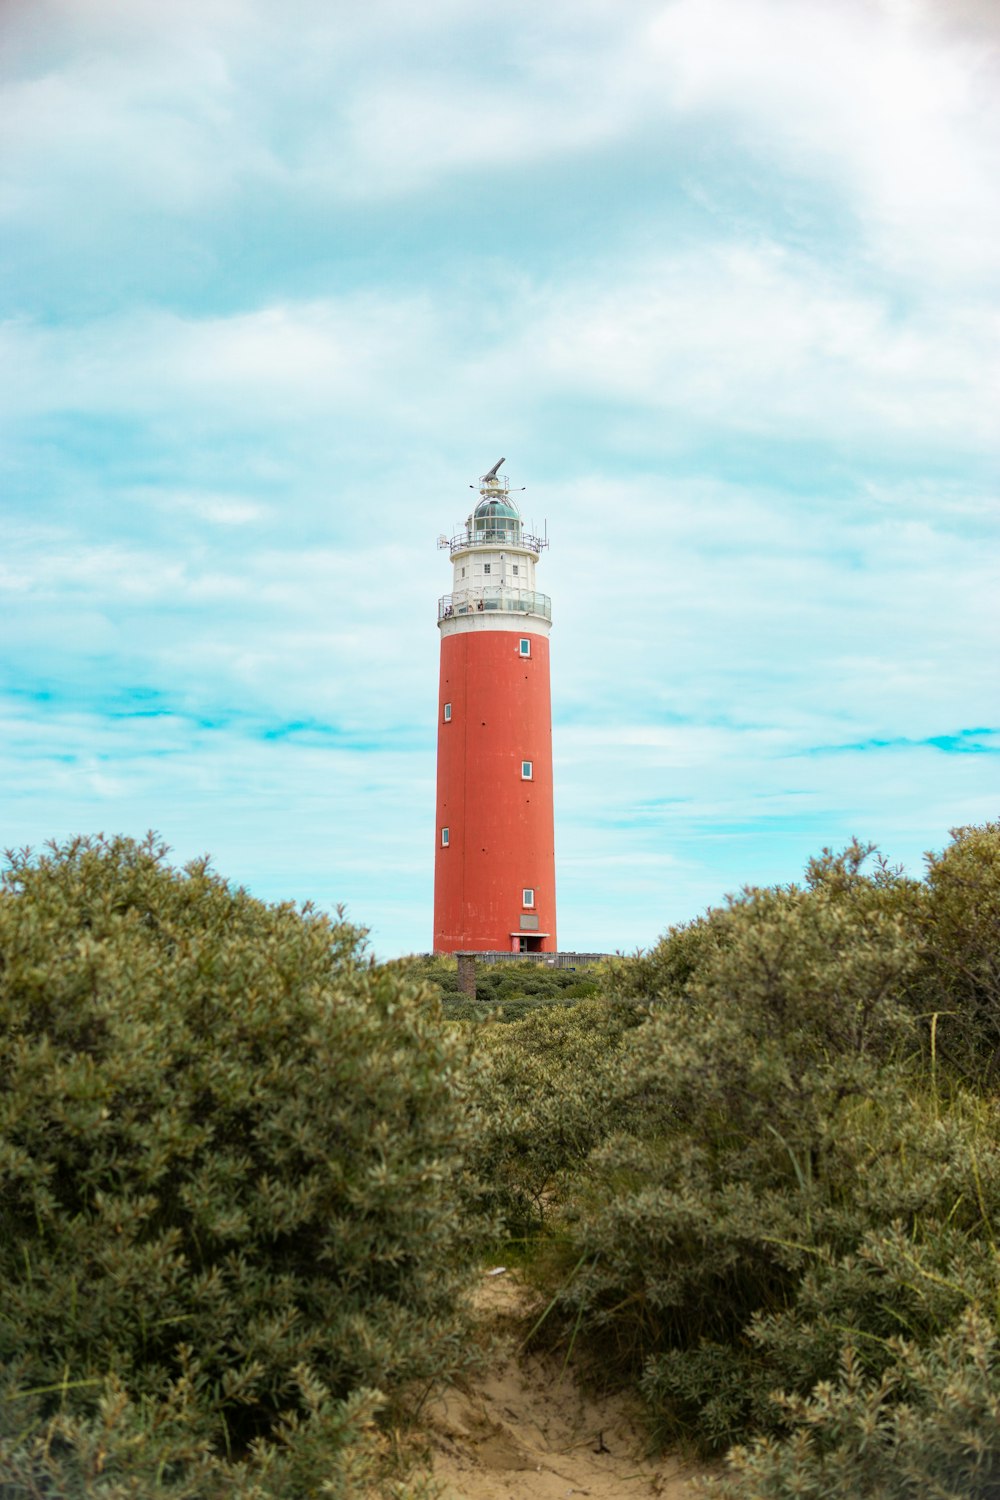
(495, 519)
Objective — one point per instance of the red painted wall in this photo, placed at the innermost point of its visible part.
(500, 827)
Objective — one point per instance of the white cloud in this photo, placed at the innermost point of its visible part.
(180, 108)
(757, 339)
(219, 509)
(733, 336)
(905, 121)
(773, 534)
(284, 361)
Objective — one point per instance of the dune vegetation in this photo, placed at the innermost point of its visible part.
(247, 1176)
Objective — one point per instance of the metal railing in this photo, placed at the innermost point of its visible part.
(488, 601)
(494, 536)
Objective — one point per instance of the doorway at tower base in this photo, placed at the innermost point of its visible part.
(533, 944)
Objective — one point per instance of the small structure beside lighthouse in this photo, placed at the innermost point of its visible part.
(494, 872)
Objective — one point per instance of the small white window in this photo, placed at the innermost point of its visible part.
(514, 569)
(528, 896)
(486, 567)
(447, 713)
(524, 647)
(527, 770)
(445, 839)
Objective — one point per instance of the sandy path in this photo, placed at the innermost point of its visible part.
(524, 1430)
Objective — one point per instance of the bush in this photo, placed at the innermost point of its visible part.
(767, 1080)
(506, 991)
(929, 1427)
(515, 1008)
(763, 1175)
(529, 980)
(232, 1167)
(437, 972)
(962, 934)
(546, 1099)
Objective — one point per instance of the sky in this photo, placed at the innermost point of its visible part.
(720, 279)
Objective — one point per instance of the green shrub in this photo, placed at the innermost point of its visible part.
(768, 1174)
(787, 1234)
(748, 1291)
(515, 1008)
(438, 972)
(928, 1429)
(665, 971)
(546, 1098)
(232, 1160)
(765, 1081)
(529, 980)
(581, 989)
(506, 991)
(962, 934)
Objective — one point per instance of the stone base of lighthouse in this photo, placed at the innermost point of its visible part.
(494, 881)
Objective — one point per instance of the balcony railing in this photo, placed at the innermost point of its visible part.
(494, 536)
(487, 601)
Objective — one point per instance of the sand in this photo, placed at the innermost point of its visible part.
(523, 1429)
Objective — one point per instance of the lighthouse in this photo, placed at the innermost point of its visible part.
(494, 871)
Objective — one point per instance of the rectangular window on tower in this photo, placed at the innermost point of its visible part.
(514, 569)
(486, 567)
(447, 713)
(528, 896)
(524, 647)
(527, 770)
(444, 838)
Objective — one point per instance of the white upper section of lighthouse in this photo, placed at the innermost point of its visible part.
(493, 567)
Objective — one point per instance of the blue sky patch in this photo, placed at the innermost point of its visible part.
(273, 297)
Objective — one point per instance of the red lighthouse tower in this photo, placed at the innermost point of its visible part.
(494, 874)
